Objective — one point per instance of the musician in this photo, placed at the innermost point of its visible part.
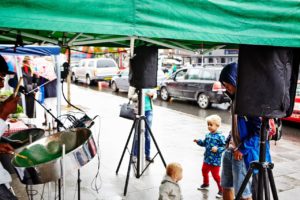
(7, 107)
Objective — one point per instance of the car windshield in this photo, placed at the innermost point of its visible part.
(105, 64)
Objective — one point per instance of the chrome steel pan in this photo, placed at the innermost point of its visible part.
(19, 140)
(44, 163)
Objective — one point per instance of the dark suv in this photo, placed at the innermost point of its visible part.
(199, 83)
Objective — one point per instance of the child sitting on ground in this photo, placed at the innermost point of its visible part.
(169, 188)
(214, 144)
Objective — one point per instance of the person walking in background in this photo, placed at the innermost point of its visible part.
(214, 144)
(150, 95)
(169, 188)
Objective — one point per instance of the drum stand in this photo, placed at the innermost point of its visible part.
(264, 168)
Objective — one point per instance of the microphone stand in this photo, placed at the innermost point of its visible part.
(59, 123)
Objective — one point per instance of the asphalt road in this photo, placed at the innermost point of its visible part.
(291, 130)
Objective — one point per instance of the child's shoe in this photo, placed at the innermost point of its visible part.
(219, 195)
(203, 187)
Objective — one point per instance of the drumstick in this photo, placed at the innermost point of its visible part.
(19, 155)
(18, 86)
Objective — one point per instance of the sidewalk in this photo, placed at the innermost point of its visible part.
(174, 133)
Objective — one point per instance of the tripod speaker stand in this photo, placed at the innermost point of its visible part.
(264, 168)
(136, 131)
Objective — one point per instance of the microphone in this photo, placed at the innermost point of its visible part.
(13, 82)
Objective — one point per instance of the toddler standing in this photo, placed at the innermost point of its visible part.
(214, 144)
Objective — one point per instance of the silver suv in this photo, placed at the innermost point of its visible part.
(94, 69)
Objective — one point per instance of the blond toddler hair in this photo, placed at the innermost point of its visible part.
(174, 170)
(215, 119)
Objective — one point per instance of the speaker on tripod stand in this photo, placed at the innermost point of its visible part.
(142, 74)
(267, 81)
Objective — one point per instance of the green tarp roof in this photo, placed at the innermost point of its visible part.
(190, 24)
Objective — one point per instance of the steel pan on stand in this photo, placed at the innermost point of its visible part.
(44, 163)
(19, 140)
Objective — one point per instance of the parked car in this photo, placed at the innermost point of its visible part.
(198, 83)
(94, 69)
(295, 117)
(121, 81)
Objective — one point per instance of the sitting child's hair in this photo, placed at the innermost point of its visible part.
(174, 170)
(216, 119)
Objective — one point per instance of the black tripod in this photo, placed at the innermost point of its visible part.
(136, 127)
(264, 168)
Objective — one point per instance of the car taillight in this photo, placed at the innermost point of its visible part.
(217, 87)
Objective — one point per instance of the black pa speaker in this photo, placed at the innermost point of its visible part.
(267, 81)
(143, 67)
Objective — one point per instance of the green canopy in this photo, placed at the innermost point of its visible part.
(188, 24)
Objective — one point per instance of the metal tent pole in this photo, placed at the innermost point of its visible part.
(58, 85)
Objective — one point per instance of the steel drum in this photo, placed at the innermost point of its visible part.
(44, 156)
(23, 138)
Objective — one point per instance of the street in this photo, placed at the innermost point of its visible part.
(291, 130)
(174, 132)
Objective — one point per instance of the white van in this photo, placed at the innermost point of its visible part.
(95, 69)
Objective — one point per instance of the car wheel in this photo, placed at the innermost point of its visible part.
(203, 101)
(73, 78)
(88, 80)
(114, 86)
(164, 94)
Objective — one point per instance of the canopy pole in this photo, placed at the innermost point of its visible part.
(69, 78)
(58, 86)
(132, 39)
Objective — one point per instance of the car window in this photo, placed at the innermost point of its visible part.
(160, 73)
(298, 90)
(91, 63)
(82, 64)
(105, 64)
(193, 74)
(125, 73)
(208, 75)
(180, 75)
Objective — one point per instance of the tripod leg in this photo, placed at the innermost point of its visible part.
(138, 146)
(130, 161)
(266, 184)
(260, 191)
(156, 145)
(272, 183)
(128, 139)
(244, 184)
